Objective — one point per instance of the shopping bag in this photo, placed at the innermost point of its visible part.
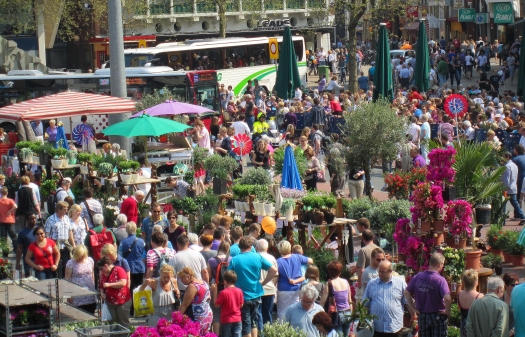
(106, 315)
(143, 303)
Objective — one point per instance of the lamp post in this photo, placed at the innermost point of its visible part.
(117, 68)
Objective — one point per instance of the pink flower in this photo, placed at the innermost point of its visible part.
(459, 217)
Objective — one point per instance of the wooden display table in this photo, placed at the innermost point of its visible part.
(336, 227)
(141, 180)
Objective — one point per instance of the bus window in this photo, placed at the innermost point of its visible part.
(299, 48)
(210, 59)
(207, 96)
(238, 56)
(178, 60)
(134, 60)
(258, 55)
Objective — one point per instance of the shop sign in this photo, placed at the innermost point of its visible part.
(503, 12)
(272, 24)
(466, 15)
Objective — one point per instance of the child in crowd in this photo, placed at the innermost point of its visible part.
(230, 300)
(297, 249)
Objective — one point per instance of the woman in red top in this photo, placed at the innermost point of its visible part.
(335, 106)
(43, 255)
(114, 290)
(415, 95)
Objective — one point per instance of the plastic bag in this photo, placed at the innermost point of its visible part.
(143, 302)
(106, 315)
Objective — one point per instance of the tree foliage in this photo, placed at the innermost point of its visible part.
(372, 132)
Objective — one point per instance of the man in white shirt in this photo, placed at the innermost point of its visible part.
(240, 126)
(321, 57)
(298, 94)
(469, 131)
(414, 130)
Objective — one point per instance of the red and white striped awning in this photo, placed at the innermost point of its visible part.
(66, 104)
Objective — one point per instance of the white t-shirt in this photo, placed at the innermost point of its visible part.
(241, 128)
(415, 131)
(321, 56)
(189, 258)
(470, 133)
(468, 60)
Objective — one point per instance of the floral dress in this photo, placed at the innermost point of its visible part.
(82, 274)
(79, 230)
(201, 307)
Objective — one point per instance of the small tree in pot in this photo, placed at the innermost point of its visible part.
(220, 169)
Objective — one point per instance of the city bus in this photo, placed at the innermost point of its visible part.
(196, 87)
(236, 60)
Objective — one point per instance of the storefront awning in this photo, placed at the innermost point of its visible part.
(412, 26)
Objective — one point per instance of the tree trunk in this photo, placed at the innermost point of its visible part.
(352, 61)
(222, 18)
(368, 181)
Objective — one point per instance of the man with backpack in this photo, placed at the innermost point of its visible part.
(98, 236)
(158, 255)
(90, 207)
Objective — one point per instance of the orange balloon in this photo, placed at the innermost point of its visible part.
(268, 224)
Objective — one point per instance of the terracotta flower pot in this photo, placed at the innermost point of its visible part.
(506, 256)
(450, 240)
(425, 226)
(497, 252)
(472, 259)
(517, 260)
(438, 239)
(460, 244)
(438, 225)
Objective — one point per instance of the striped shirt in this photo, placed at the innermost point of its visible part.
(385, 301)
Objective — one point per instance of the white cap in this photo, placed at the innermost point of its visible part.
(497, 116)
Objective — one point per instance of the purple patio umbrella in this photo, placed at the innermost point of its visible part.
(173, 108)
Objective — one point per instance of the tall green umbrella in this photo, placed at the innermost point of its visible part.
(288, 78)
(144, 125)
(521, 69)
(383, 83)
(423, 64)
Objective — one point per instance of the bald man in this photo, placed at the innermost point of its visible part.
(386, 301)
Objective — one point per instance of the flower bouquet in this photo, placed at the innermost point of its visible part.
(179, 326)
(428, 202)
(440, 169)
(418, 251)
(458, 218)
(397, 185)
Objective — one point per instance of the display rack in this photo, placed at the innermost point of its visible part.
(59, 291)
(13, 295)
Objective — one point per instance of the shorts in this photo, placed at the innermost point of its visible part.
(250, 315)
(200, 179)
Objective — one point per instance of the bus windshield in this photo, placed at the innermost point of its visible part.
(207, 97)
(137, 60)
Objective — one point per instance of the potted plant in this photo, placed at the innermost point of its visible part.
(397, 185)
(516, 250)
(287, 208)
(48, 187)
(401, 268)
(84, 158)
(105, 170)
(362, 317)
(329, 202)
(4, 247)
(402, 231)
(220, 168)
(125, 171)
(454, 267)
(26, 154)
(428, 202)
(62, 154)
(189, 177)
(483, 213)
(5, 268)
(56, 162)
(72, 156)
(504, 241)
(494, 239)
(441, 172)
(135, 165)
(458, 219)
(493, 261)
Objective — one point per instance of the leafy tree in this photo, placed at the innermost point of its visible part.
(372, 132)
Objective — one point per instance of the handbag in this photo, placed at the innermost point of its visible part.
(178, 302)
(331, 307)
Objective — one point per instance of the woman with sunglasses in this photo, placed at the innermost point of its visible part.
(511, 280)
(43, 255)
(173, 230)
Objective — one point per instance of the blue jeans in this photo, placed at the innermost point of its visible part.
(250, 315)
(265, 310)
(45, 274)
(442, 79)
(345, 322)
(458, 76)
(250, 120)
(518, 213)
(231, 329)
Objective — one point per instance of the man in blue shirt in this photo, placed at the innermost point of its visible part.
(362, 82)
(518, 307)
(248, 265)
(149, 222)
(509, 180)
(372, 72)
(386, 300)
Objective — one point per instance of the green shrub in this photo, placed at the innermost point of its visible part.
(300, 160)
(322, 257)
(453, 331)
(357, 208)
(281, 329)
(220, 167)
(255, 176)
(388, 211)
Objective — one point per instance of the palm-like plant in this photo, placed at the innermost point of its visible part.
(478, 174)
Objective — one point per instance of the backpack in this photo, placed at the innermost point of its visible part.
(326, 141)
(98, 240)
(222, 267)
(163, 259)
(52, 201)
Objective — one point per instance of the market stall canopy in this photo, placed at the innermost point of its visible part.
(66, 104)
(144, 125)
(173, 108)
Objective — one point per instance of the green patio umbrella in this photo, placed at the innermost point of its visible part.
(288, 78)
(144, 126)
(383, 83)
(521, 69)
(423, 64)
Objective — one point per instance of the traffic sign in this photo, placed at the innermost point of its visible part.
(274, 48)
